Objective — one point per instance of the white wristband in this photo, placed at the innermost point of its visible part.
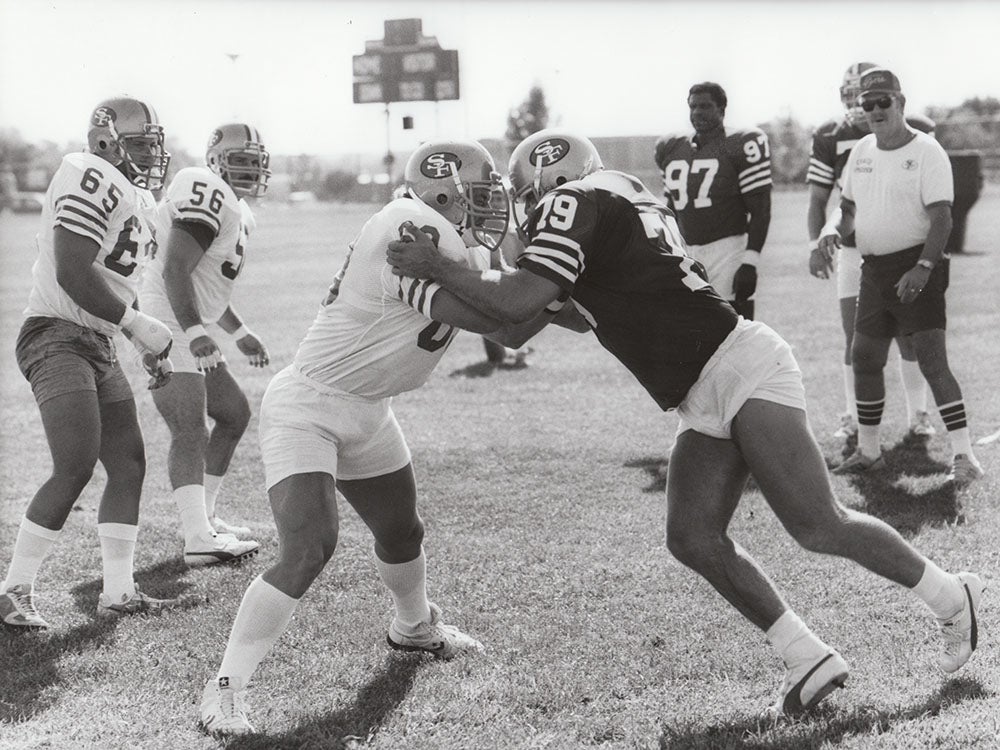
(241, 332)
(128, 317)
(195, 331)
(750, 258)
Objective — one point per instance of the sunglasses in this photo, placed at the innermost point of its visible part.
(883, 102)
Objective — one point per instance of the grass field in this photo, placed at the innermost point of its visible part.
(544, 516)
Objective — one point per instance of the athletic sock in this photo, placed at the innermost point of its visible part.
(407, 582)
(940, 591)
(212, 485)
(30, 549)
(263, 616)
(117, 554)
(914, 388)
(955, 421)
(869, 419)
(190, 501)
(794, 641)
(851, 406)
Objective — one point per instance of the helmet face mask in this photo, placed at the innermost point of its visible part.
(458, 179)
(126, 133)
(237, 154)
(850, 89)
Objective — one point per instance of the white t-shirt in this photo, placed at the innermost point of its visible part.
(91, 198)
(377, 338)
(892, 189)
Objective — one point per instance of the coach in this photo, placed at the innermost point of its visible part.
(897, 196)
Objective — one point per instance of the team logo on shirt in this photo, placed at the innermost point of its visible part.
(548, 152)
(440, 165)
(102, 116)
(910, 164)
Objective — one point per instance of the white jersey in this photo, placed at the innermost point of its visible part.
(91, 198)
(892, 189)
(377, 338)
(197, 194)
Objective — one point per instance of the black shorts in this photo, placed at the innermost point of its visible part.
(880, 313)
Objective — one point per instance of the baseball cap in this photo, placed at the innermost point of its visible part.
(878, 81)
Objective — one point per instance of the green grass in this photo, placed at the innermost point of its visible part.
(544, 514)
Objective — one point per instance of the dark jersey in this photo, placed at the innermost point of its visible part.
(617, 250)
(705, 184)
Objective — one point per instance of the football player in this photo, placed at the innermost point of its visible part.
(97, 230)
(207, 223)
(326, 423)
(718, 183)
(602, 240)
(831, 144)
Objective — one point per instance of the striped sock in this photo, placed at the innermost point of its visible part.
(953, 416)
(869, 419)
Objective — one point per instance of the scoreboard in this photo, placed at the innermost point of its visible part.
(405, 66)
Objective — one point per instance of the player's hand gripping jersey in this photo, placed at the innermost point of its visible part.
(198, 195)
(617, 250)
(89, 197)
(377, 339)
(705, 184)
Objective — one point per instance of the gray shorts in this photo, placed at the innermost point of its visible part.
(59, 357)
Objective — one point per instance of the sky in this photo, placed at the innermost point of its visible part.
(607, 68)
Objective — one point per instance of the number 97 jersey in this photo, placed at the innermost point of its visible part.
(91, 198)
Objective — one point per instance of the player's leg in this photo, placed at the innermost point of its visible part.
(230, 411)
(914, 388)
(868, 355)
(849, 418)
(783, 457)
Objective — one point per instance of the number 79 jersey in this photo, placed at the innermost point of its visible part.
(377, 338)
(91, 198)
(705, 184)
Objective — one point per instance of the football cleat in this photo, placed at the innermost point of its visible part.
(137, 604)
(221, 527)
(961, 631)
(17, 609)
(922, 425)
(859, 463)
(808, 683)
(848, 427)
(221, 548)
(434, 637)
(222, 708)
(965, 470)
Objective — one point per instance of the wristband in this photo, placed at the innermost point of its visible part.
(241, 332)
(814, 244)
(195, 331)
(128, 317)
(750, 258)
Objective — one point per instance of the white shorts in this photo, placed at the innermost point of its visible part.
(848, 272)
(752, 362)
(306, 426)
(180, 353)
(721, 259)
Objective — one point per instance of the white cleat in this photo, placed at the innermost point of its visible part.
(17, 609)
(221, 527)
(222, 710)
(434, 637)
(220, 548)
(808, 683)
(922, 425)
(965, 470)
(961, 631)
(848, 427)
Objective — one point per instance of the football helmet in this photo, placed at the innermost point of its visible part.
(850, 89)
(237, 154)
(127, 133)
(544, 161)
(459, 180)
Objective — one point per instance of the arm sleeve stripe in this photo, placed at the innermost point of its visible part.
(82, 229)
(92, 206)
(761, 183)
(419, 293)
(67, 209)
(184, 211)
(558, 276)
(570, 261)
(764, 166)
(552, 264)
(557, 238)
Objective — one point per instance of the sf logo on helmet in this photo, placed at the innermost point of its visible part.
(102, 116)
(214, 140)
(549, 152)
(440, 165)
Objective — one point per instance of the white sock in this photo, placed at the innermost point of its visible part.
(117, 553)
(263, 616)
(407, 582)
(868, 441)
(940, 591)
(190, 501)
(212, 485)
(30, 549)
(850, 405)
(914, 388)
(793, 640)
(961, 442)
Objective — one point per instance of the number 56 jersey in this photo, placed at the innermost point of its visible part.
(198, 195)
(89, 197)
(377, 339)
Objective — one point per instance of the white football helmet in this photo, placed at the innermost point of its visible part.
(544, 161)
(127, 133)
(459, 180)
(850, 89)
(237, 154)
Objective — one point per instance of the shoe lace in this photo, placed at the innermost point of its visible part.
(23, 600)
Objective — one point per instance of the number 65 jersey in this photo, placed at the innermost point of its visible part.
(377, 339)
(91, 198)
(196, 194)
